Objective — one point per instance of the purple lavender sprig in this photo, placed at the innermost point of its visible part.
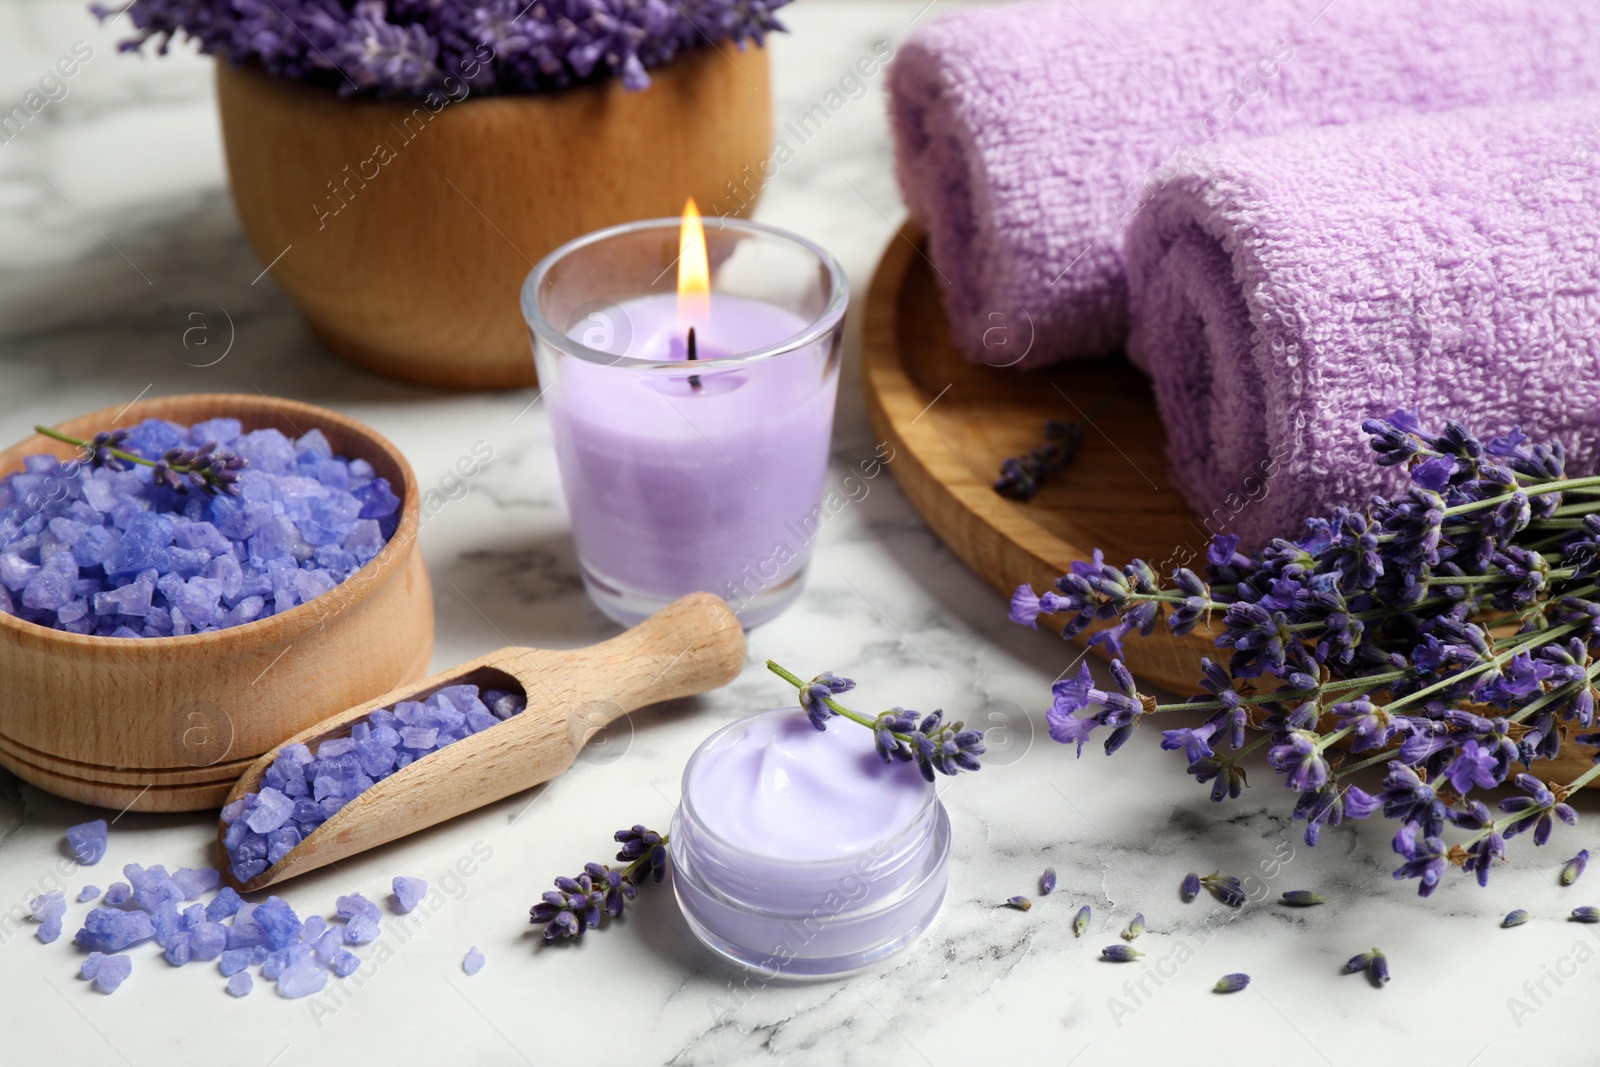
(1451, 634)
(207, 468)
(449, 48)
(899, 734)
(577, 904)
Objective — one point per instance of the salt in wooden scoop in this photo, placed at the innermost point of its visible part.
(693, 645)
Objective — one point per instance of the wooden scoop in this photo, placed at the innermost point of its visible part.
(693, 645)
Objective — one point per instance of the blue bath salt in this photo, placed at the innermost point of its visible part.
(87, 841)
(473, 962)
(303, 789)
(408, 893)
(88, 893)
(114, 554)
(269, 937)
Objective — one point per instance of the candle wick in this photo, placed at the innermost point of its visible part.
(694, 379)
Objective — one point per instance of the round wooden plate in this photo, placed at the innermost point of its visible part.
(951, 422)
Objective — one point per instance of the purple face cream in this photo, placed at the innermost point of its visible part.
(800, 853)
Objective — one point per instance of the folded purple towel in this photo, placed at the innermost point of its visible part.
(1284, 289)
(1024, 133)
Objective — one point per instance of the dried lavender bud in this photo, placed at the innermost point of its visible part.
(1020, 903)
(1514, 918)
(1047, 882)
(1586, 914)
(1379, 970)
(1302, 898)
(1231, 983)
(1361, 962)
(1190, 887)
(1574, 868)
(1022, 476)
(1120, 953)
(1080, 922)
(1135, 928)
(1225, 887)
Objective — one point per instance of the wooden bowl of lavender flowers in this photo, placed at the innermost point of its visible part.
(402, 167)
(187, 581)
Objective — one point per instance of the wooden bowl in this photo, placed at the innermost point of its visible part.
(167, 724)
(403, 230)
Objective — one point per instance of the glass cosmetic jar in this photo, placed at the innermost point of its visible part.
(800, 853)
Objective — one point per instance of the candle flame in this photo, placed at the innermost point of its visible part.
(694, 272)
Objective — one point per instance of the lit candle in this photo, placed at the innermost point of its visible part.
(680, 482)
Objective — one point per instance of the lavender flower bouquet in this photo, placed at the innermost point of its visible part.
(1449, 635)
(408, 48)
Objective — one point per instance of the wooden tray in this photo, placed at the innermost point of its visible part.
(951, 423)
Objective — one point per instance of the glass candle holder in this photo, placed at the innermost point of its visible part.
(690, 465)
(800, 853)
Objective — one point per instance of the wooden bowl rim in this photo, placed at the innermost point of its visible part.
(285, 626)
(685, 65)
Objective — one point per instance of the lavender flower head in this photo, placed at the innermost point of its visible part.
(445, 49)
(1450, 636)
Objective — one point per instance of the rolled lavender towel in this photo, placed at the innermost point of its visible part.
(1024, 133)
(1285, 289)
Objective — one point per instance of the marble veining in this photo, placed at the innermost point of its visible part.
(123, 273)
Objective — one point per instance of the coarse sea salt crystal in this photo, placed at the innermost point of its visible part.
(240, 984)
(361, 930)
(87, 841)
(224, 904)
(301, 980)
(112, 930)
(87, 893)
(233, 961)
(408, 892)
(117, 894)
(473, 962)
(91, 965)
(112, 972)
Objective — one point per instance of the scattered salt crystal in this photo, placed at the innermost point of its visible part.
(117, 894)
(91, 965)
(233, 961)
(88, 892)
(355, 904)
(278, 921)
(408, 892)
(112, 972)
(473, 962)
(87, 841)
(112, 930)
(240, 984)
(301, 980)
(361, 930)
(196, 882)
(224, 904)
(50, 905)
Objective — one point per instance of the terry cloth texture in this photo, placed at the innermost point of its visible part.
(1285, 289)
(1025, 133)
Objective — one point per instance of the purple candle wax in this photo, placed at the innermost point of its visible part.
(801, 852)
(680, 482)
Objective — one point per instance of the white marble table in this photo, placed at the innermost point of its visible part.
(116, 230)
